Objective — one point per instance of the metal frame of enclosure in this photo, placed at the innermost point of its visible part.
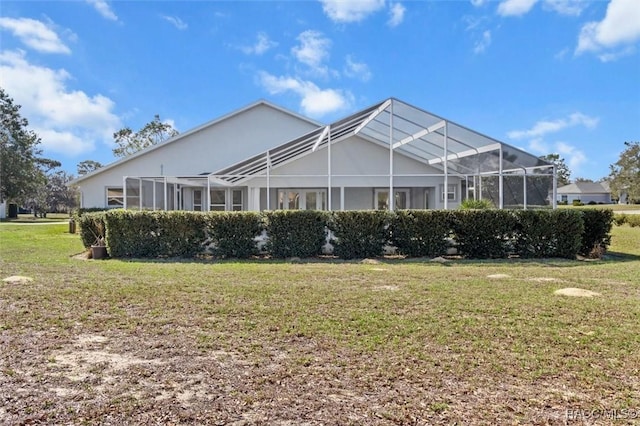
(489, 169)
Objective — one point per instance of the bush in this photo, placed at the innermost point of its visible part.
(483, 234)
(420, 232)
(577, 203)
(233, 233)
(470, 204)
(359, 234)
(619, 219)
(596, 237)
(300, 233)
(633, 220)
(92, 228)
(548, 233)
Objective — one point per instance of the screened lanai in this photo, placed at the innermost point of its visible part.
(479, 167)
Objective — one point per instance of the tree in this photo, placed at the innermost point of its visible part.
(562, 170)
(624, 177)
(20, 174)
(581, 179)
(151, 134)
(61, 197)
(88, 166)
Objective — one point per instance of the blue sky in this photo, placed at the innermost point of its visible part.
(549, 76)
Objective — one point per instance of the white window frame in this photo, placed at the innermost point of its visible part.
(121, 197)
(201, 203)
(216, 206)
(321, 194)
(396, 191)
(236, 206)
(452, 193)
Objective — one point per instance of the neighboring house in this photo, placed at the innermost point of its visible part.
(263, 157)
(585, 192)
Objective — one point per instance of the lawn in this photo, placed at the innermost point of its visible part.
(266, 342)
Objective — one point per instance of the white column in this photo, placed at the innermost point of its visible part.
(124, 192)
(554, 203)
(208, 194)
(342, 198)
(392, 197)
(268, 183)
(165, 193)
(500, 183)
(140, 193)
(446, 167)
(154, 195)
(524, 187)
(329, 172)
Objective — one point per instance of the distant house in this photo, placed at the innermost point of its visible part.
(585, 192)
(391, 155)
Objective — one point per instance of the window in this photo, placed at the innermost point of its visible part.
(302, 199)
(236, 199)
(197, 200)
(564, 198)
(115, 197)
(452, 193)
(218, 200)
(401, 202)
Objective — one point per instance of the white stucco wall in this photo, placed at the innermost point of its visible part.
(212, 148)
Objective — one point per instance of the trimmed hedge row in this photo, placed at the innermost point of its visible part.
(353, 234)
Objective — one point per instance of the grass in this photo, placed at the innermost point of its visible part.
(413, 342)
(30, 218)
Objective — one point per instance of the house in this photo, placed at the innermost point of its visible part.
(391, 155)
(585, 192)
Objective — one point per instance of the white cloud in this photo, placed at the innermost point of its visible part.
(313, 50)
(176, 22)
(262, 44)
(619, 28)
(35, 34)
(68, 121)
(544, 127)
(396, 14)
(314, 102)
(103, 9)
(573, 156)
(358, 70)
(566, 7)
(346, 11)
(477, 3)
(515, 7)
(482, 44)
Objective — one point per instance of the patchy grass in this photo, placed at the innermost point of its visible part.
(398, 342)
(30, 218)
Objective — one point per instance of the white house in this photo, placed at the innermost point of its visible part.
(585, 192)
(265, 157)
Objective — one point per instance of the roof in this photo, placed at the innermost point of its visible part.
(585, 188)
(190, 132)
(413, 132)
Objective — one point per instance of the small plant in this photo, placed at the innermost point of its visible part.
(470, 204)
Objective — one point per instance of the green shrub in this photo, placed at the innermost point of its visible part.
(92, 228)
(359, 234)
(483, 234)
(633, 220)
(233, 234)
(300, 233)
(596, 237)
(620, 219)
(548, 233)
(577, 203)
(420, 232)
(470, 204)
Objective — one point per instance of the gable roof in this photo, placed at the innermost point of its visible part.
(415, 133)
(585, 188)
(181, 136)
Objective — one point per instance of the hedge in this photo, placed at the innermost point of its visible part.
(359, 233)
(296, 233)
(482, 234)
(354, 234)
(548, 233)
(233, 233)
(418, 233)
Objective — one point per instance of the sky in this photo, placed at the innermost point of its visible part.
(547, 76)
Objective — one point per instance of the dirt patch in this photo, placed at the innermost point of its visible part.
(545, 280)
(576, 292)
(379, 269)
(386, 288)
(498, 276)
(17, 279)
(370, 262)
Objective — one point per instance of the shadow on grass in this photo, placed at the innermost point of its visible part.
(610, 257)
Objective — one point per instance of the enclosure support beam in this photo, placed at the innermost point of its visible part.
(524, 187)
(446, 167)
(500, 183)
(391, 194)
(329, 199)
(554, 202)
(124, 192)
(268, 181)
(209, 193)
(342, 198)
(165, 193)
(154, 195)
